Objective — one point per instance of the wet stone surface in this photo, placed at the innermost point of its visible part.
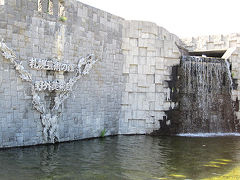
(202, 89)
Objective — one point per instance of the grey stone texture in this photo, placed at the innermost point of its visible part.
(149, 53)
(125, 93)
(94, 104)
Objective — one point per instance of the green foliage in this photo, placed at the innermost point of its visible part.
(232, 74)
(63, 18)
(103, 133)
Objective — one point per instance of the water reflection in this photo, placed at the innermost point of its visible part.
(124, 157)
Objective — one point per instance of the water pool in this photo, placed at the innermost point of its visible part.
(126, 157)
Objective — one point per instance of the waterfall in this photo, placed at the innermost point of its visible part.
(229, 74)
(205, 89)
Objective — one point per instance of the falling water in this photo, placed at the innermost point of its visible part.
(205, 96)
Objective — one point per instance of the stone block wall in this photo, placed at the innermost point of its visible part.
(221, 42)
(128, 90)
(95, 101)
(149, 53)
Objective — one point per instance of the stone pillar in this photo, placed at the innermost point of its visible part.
(45, 6)
(55, 7)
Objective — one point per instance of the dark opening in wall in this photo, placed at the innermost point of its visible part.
(214, 53)
(45, 6)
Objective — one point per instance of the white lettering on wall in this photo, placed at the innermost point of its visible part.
(52, 86)
(54, 65)
(49, 116)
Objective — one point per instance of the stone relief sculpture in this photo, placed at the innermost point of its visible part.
(49, 116)
(7, 53)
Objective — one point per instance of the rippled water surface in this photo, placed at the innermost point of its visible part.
(126, 157)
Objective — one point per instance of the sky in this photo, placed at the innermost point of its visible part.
(185, 18)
